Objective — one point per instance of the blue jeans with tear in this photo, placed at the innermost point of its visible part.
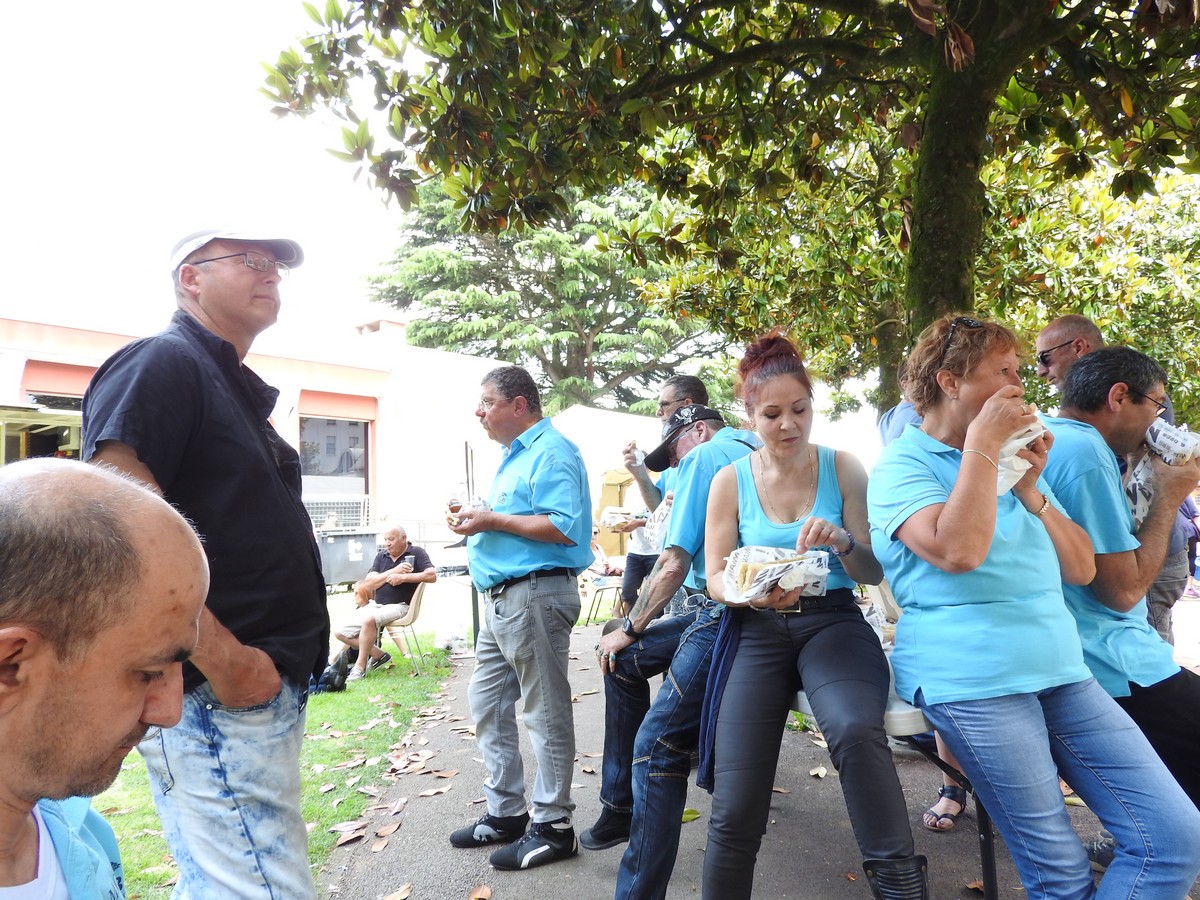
(663, 755)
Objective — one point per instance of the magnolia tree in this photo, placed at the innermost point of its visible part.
(748, 113)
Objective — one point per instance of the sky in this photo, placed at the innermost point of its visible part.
(130, 125)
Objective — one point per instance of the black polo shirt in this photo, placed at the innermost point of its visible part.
(387, 594)
(197, 418)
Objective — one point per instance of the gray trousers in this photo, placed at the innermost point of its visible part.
(522, 654)
(1165, 592)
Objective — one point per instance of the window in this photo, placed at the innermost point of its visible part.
(333, 458)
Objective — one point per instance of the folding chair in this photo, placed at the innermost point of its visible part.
(405, 624)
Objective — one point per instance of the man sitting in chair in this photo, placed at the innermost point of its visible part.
(383, 597)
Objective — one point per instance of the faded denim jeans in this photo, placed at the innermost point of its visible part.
(226, 783)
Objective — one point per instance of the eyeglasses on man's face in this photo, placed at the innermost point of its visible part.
(1161, 407)
(485, 405)
(664, 405)
(965, 322)
(1043, 356)
(255, 261)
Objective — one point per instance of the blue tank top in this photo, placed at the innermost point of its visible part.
(754, 528)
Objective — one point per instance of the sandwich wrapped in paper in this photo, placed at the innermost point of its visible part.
(613, 517)
(1011, 467)
(751, 572)
(1175, 446)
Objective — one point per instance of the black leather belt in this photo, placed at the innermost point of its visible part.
(832, 600)
(540, 573)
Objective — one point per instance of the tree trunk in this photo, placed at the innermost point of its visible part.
(947, 216)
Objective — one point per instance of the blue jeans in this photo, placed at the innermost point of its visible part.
(836, 655)
(522, 653)
(663, 755)
(637, 567)
(226, 783)
(627, 700)
(1013, 749)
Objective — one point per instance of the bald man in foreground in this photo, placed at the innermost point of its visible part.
(101, 587)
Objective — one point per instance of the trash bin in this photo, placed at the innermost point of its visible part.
(346, 555)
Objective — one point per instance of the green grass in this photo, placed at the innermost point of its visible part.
(356, 727)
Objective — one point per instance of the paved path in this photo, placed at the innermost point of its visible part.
(808, 851)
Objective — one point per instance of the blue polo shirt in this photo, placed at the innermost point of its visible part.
(541, 473)
(1000, 629)
(1119, 647)
(685, 525)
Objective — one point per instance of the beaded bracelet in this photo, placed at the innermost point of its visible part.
(834, 550)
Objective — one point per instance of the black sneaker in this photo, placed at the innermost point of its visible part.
(374, 663)
(1100, 853)
(491, 830)
(611, 828)
(545, 842)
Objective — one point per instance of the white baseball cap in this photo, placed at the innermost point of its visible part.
(286, 251)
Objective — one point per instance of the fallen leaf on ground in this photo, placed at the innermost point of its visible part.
(821, 743)
(588, 769)
(976, 885)
(819, 771)
(352, 825)
(387, 829)
(589, 693)
(403, 894)
(778, 790)
(480, 892)
(445, 773)
(480, 800)
(326, 788)
(592, 755)
(350, 838)
(850, 876)
(379, 845)
(434, 791)
(690, 815)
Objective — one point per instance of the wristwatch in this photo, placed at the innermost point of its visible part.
(627, 628)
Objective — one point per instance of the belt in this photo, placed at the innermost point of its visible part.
(836, 598)
(500, 587)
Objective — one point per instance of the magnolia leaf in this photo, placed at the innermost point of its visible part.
(480, 892)
(385, 830)
(403, 894)
(379, 845)
(690, 815)
(818, 771)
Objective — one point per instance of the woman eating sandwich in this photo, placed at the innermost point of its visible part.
(795, 494)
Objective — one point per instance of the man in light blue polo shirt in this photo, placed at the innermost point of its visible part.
(648, 749)
(1110, 397)
(525, 554)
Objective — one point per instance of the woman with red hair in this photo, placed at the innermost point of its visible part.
(793, 493)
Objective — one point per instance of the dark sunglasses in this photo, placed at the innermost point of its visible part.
(966, 322)
(1043, 356)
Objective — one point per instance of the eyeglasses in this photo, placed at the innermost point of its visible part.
(966, 322)
(1043, 356)
(667, 404)
(486, 405)
(255, 261)
(1162, 407)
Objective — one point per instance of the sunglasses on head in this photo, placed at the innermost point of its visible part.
(965, 322)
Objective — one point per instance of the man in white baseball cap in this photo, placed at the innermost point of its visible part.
(182, 412)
